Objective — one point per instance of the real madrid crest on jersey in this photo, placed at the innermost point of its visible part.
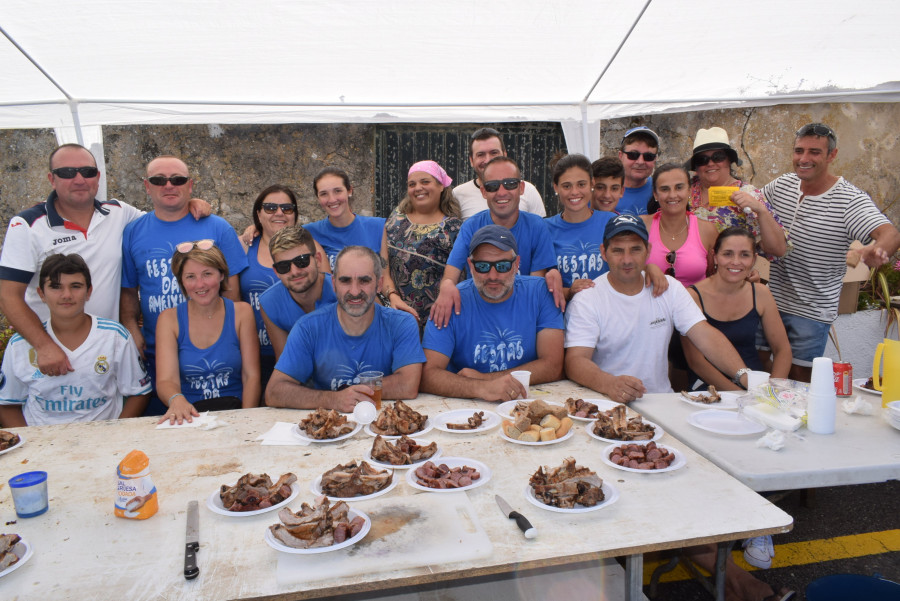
(102, 365)
(32, 357)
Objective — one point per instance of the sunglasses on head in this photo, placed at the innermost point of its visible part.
(71, 172)
(816, 129)
(186, 247)
(175, 180)
(510, 183)
(719, 156)
(301, 261)
(670, 259)
(485, 266)
(271, 207)
(633, 155)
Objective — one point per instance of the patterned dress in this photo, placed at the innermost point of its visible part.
(728, 216)
(417, 255)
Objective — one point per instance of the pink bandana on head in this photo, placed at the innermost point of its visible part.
(432, 169)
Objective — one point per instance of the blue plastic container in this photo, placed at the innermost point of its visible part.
(841, 587)
(29, 492)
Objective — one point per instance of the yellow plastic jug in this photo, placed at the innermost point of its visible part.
(889, 382)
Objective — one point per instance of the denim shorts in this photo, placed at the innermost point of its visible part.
(808, 338)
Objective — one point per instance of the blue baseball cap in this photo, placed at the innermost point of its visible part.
(642, 129)
(495, 235)
(625, 223)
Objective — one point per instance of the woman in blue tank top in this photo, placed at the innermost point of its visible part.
(737, 308)
(207, 354)
(274, 209)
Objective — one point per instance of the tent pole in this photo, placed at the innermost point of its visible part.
(585, 138)
(76, 121)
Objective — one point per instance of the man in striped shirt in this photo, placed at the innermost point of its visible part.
(823, 213)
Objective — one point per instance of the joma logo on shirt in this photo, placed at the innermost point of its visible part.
(63, 239)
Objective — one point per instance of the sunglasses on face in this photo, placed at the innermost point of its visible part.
(510, 183)
(271, 207)
(301, 261)
(175, 180)
(633, 155)
(718, 156)
(186, 247)
(71, 172)
(670, 259)
(485, 266)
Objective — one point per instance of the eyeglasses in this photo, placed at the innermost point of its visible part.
(161, 180)
(186, 247)
(485, 266)
(271, 207)
(670, 259)
(719, 156)
(71, 172)
(510, 183)
(633, 155)
(816, 129)
(301, 261)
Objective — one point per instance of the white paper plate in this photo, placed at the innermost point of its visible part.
(461, 416)
(301, 434)
(19, 444)
(316, 488)
(727, 423)
(214, 503)
(23, 552)
(678, 463)
(658, 433)
(602, 405)
(729, 400)
(539, 443)
(857, 384)
(452, 462)
(610, 494)
(426, 427)
(352, 513)
(389, 466)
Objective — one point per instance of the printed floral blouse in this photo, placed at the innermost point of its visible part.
(730, 215)
(417, 255)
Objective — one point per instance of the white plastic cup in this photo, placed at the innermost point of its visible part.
(755, 379)
(29, 493)
(524, 377)
(822, 380)
(821, 403)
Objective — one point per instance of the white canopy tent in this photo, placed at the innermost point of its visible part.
(76, 66)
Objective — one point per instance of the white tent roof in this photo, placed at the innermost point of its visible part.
(98, 62)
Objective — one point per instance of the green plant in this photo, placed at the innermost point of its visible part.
(883, 285)
(6, 332)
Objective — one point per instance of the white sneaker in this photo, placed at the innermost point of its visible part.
(759, 551)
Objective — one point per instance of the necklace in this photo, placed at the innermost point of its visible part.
(210, 314)
(662, 229)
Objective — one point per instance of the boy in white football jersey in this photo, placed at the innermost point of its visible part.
(105, 362)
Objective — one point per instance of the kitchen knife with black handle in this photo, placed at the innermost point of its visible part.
(521, 521)
(192, 542)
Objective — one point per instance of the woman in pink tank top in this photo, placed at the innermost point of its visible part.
(680, 244)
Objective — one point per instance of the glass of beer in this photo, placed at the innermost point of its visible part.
(372, 379)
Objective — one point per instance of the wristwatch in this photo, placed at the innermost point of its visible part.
(737, 375)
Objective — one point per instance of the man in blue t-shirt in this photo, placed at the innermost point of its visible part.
(638, 153)
(148, 244)
(328, 348)
(302, 287)
(502, 187)
(508, 322)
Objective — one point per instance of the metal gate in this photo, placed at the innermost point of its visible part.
(398, 146)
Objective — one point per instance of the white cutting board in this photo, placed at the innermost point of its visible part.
(407, 532)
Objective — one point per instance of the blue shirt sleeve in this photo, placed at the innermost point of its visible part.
(230, 246)
(297, 358)
(129, 269)
(542, 254)
(460, 251)
(407, 348)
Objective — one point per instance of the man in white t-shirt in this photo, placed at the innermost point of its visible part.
(104, 359)
(484, 145)
(617, 332)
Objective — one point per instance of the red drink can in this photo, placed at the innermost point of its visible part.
(843, 379)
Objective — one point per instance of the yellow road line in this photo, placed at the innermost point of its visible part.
(803, 553)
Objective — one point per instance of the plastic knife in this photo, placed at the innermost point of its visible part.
(521, 521)
(192, 542)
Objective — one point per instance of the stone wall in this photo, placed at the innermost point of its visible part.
(232, 163)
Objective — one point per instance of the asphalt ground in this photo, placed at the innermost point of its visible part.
(837, 530)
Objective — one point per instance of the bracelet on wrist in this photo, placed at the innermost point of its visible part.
(171, 398)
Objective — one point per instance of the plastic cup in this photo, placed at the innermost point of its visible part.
(822, 380)
(755, 379)
(29, 493)
(373, 380)
(524, 377)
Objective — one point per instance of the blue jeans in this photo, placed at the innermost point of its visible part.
(808, 338)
